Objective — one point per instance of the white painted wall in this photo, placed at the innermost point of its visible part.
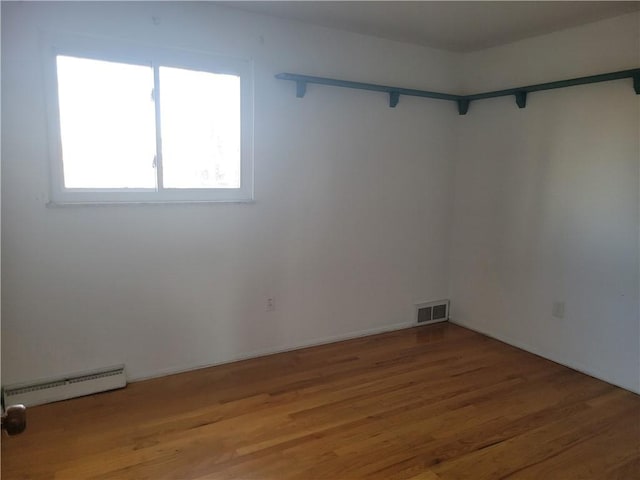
(352, 222)
(350, 227)
(547, 204)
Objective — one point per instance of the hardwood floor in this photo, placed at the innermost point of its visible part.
(434, 402)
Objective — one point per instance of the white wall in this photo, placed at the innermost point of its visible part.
(547, 205)
(350, 227)
(352, 223)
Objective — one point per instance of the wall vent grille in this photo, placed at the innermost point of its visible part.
(71, 386)
(432, 312)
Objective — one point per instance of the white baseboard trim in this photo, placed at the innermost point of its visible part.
(544, 354)
(288, 348)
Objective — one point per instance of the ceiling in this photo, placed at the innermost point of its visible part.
(455, 26)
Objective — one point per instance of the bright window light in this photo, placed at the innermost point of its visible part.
(200, 119)
(107, 124)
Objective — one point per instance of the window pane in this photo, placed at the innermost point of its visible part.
(200, 122)
(107, 124)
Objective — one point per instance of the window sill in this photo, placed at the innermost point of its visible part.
(62, 204)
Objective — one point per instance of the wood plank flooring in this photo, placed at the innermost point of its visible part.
(433, 403)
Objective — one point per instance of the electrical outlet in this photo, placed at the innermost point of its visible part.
(557, 310)
(271, 304)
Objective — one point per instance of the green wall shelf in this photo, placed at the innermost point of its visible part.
(462, 101)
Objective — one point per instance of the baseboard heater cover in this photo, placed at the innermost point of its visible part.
(63, 388)
(432, 312)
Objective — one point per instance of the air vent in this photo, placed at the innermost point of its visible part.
(72, 386)
(432, 312)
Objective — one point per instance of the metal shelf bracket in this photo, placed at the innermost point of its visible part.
(521, 99)
(394, 98)
(301, 88)
(463, 106)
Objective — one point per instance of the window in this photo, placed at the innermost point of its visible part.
(136, 125)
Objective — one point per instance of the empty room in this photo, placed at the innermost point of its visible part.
(320, 240)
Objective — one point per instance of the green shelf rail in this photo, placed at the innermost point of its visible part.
(462, 101)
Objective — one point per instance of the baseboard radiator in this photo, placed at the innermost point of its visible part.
(63, 388)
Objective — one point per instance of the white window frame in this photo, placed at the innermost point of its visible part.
(125, 52)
